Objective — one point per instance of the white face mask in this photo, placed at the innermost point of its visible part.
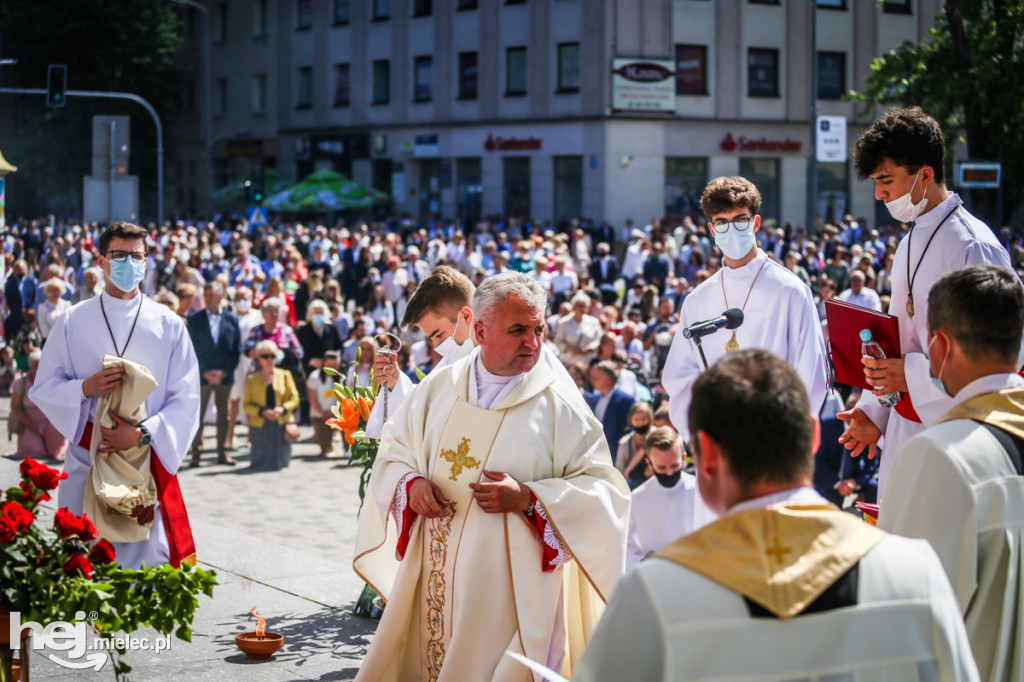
(451, 350)
(903, 208)
(243, 306)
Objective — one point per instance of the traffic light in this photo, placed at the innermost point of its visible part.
(56, 85)
(247, 191)
(258, 190)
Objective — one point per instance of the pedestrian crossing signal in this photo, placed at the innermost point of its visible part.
(56, 85)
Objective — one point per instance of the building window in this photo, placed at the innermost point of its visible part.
(468, 75)
(831, 4)
(381, 10)
(515, 71)
(220, 22)
(423, 79)
(342, 86)
(764, 173)
(516, 186)
(422, 8)
(220, 96)
(831, 75)
(259, 18)
(896, 6)
(465, 4)
(259, 93)
(568, 188)
(381, 81)
(342, 11)
(304, 98)
(303, 14)
(691, 70)
(469, 189)
(685, 178)
(569, 67)
(763, 72)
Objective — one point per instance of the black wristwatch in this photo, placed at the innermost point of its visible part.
(145, 436)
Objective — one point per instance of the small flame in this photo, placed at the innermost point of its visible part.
(261, 624)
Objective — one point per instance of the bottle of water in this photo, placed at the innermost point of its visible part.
(870, 348)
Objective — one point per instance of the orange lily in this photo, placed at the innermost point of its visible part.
(349, 421)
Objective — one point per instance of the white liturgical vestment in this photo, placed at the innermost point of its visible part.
(779, 317)
(471, 585)
(961, 240)
(955, 486)
(660, 515)
(74, 352)
(673, 619)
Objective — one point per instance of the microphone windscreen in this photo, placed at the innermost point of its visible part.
(734, 317)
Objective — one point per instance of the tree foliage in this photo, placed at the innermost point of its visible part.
(113, 45)
(966, 74)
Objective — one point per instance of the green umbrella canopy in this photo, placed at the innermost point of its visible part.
(273, 183)
(325, 191)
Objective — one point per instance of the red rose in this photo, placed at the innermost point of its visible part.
(41, 476)
(77, 563)
(102, 552)
(69, 525)
(7, 529)
(19, 516)
(28, 489)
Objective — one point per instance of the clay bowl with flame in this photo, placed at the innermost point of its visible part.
(259, 648)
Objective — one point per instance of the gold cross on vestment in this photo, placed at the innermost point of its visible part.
(460, 459)
(777, 551)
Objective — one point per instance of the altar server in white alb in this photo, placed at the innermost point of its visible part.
(495, 520)
(440, 307)
(778, 310)
(101, 352)
(783, 586)
(664, 508)
(959, 484)
(904, 153)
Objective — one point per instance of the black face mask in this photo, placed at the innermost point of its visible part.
(668, 480)
(642, 430)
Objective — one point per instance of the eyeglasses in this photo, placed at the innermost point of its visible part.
(268, 357)
(722, 226)
(122, 256)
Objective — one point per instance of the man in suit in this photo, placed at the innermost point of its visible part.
(610, 405)
(14, 290)
(657, 268)
(218, 344)
(604, 270)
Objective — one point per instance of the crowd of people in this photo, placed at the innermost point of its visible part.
(601, 311)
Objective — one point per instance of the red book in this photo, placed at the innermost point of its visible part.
(845, 321)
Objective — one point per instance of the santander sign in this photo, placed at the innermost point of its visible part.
(746, 144)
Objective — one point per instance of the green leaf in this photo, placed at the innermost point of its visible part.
(330, 372)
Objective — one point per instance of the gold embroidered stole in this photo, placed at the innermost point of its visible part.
(1002, 409)
(459, 460)
(782, 557)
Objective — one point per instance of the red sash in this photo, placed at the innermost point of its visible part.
(172, 507)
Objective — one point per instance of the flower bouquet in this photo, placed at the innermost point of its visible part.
(351, 413)
(50, 574)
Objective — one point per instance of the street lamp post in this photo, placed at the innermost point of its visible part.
(812, 165)
(207, 98)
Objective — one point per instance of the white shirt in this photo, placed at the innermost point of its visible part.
(658, 516)
(867, 298)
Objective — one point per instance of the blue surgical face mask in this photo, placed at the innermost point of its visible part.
(938, 380)
(319, 319)
(127, 274)
(734, 243)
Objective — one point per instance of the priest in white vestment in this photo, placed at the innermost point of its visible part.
(440, 307)
(959, 484)
(944, 236)
(783, 586)
(779, 313)
(123, 322)
(664, 508)
(495, 520)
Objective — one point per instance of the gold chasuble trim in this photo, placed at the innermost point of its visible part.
(1002, 409)
(783, 557)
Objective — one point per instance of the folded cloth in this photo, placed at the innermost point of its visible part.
(120, 493)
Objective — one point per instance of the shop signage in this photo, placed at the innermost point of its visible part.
(426, 145)
(761, 144)
(497, 143)
(644, 85)
(831, 139)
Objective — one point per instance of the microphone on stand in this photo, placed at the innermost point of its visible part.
(730, 319)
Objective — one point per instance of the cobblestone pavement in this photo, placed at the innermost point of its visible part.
(282, 541)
